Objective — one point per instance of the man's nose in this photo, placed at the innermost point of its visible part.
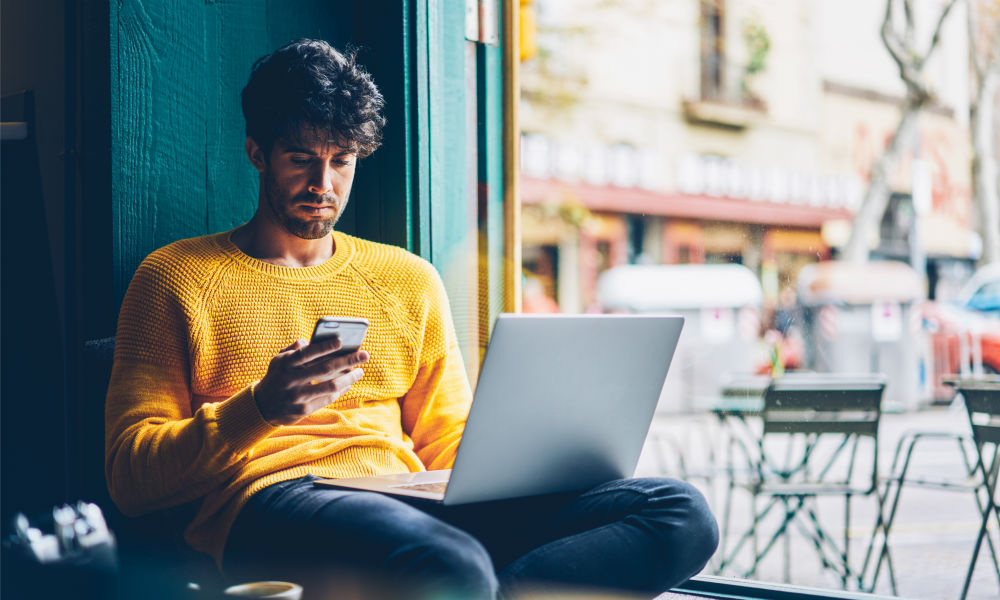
(321, 181)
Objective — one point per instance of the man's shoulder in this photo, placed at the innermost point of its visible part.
(185, 260)
(412, 280)
(389, 260)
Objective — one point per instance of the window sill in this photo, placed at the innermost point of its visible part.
(731, 588)
(721, 113)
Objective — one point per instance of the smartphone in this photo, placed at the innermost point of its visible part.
(350, 330)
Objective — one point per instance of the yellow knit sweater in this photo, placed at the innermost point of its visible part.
(198, 326)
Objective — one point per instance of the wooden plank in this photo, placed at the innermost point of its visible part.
(491, 198)
(131, 62)
(98, 288)
(510, 49)
(453, 199)
(178, 120)
(158, 131)
(235, 38)
(317, 19)
(420, 131)
(405, 100)
(381, 201)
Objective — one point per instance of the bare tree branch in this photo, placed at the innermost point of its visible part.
(902, 53)
(978, 64)
(910, 30)
(892, 42)
(937, 33)
(910, 64)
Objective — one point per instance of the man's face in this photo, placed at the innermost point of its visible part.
(306, 182)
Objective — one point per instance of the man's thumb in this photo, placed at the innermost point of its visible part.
(295, 345)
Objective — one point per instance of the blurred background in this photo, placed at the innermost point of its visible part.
(776, 136)
(813, 184)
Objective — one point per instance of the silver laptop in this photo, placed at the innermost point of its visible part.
(563, 402)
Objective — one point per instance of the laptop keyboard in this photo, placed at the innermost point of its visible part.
(435, 488)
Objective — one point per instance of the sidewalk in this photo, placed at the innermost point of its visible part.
(932, 536)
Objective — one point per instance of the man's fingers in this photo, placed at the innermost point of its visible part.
(331, 389)
(323, 369)
(293, 346)
(310, 352)
(287, 354)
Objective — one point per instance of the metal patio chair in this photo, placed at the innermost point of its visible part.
(982, 402)
(702, 454)
(964, 480)
(819, 438)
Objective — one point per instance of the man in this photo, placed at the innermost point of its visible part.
(215, 399)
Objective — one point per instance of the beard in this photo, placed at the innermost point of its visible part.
(282, 207)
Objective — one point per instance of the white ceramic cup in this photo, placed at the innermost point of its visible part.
(270, 590)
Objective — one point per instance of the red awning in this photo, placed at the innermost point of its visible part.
(638, 201)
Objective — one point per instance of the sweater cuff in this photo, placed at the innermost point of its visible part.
(240, 421)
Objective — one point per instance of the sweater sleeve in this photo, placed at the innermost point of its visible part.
(157, 453)
(436, 406)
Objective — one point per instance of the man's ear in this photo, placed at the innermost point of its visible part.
(255, 154)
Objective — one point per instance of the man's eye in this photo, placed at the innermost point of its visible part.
(300, 160)
(341, 163)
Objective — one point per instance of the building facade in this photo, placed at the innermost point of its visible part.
(732, 131)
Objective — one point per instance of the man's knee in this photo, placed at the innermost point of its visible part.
(441, 555)
(702, 525)
(685, 513)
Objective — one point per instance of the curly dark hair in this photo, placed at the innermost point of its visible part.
(309, 84)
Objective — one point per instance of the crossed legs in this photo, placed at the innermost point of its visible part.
(644, 535)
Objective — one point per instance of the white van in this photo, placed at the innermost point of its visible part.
(721, 305)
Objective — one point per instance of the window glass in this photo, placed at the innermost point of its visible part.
(771, 155)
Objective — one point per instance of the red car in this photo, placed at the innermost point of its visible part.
(965, 335)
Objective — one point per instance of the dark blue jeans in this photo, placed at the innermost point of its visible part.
(644, 535)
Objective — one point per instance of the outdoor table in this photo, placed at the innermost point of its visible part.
(956, 380)
(741, 399)
(741, 402)
(742, 396)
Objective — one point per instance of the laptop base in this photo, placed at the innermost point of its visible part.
(394, 485)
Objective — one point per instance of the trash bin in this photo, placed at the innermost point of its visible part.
(864, 318)
(721, 305)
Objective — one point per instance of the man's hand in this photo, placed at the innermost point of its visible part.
(304, 378)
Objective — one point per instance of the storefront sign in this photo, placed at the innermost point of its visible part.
(625, 166)
(717, 324)
(887, 322)
(722, 177)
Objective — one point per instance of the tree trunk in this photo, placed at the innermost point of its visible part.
(911, 63)
(869, 215)
(984, 166)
